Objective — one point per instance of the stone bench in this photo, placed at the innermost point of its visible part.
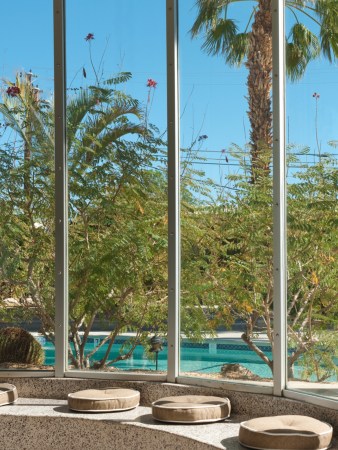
(47, 424)
(35, 423)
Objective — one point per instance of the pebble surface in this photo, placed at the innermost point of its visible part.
(41, 420)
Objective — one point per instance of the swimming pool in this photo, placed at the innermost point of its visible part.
(204, 358)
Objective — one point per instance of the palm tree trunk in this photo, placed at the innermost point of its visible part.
(259, 65)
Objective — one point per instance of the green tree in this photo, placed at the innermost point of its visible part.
(27, 179)
(117, 227)
(313, 269)
(227, 271)
(252, 45)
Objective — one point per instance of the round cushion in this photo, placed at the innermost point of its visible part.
(103, 400)
(285, 433)
(191, 409)
(8, 393)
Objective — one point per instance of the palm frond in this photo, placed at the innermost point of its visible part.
(327, 11)
(102, 119)
(127, 105)
(102, 94)
(303, 48)
(299, 3)
(113, 134)
(238, 49)
(12, 121)
(39, 123)
(208, 11)
(77, 109)
(120, 78)
(220, 38)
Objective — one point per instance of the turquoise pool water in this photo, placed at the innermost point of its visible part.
(202, 358)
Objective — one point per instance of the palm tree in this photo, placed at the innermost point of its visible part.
(98, 116)
(110, 146)
(253, 46)
(30, 118)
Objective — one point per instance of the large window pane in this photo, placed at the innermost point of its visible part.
(27, 188)
(116, 113)
(312, 205)
(226, 192)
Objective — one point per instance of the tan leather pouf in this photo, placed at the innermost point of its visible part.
(191, 409)
(290, 432)
(104, 400)
(8, 393)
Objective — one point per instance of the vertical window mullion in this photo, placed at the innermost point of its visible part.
(279, 197)
(61, 196)
(173, 190)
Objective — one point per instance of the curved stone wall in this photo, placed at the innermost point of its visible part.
(42, 416)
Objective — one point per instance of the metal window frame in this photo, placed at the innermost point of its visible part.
(173, 191)
(61, 201)
(61, 191)
(279, 197)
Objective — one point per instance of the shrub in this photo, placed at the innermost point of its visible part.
(19, 346)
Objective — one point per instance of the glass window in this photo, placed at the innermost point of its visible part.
(116, 120)
(27, 189)
(312, 203)
(117, 158)
(226, 193)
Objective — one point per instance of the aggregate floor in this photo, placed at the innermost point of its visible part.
(48, 424)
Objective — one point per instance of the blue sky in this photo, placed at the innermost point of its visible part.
(130, 36)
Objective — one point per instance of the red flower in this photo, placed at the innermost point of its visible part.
(151, 83)
(89, 37)
(13, 91)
